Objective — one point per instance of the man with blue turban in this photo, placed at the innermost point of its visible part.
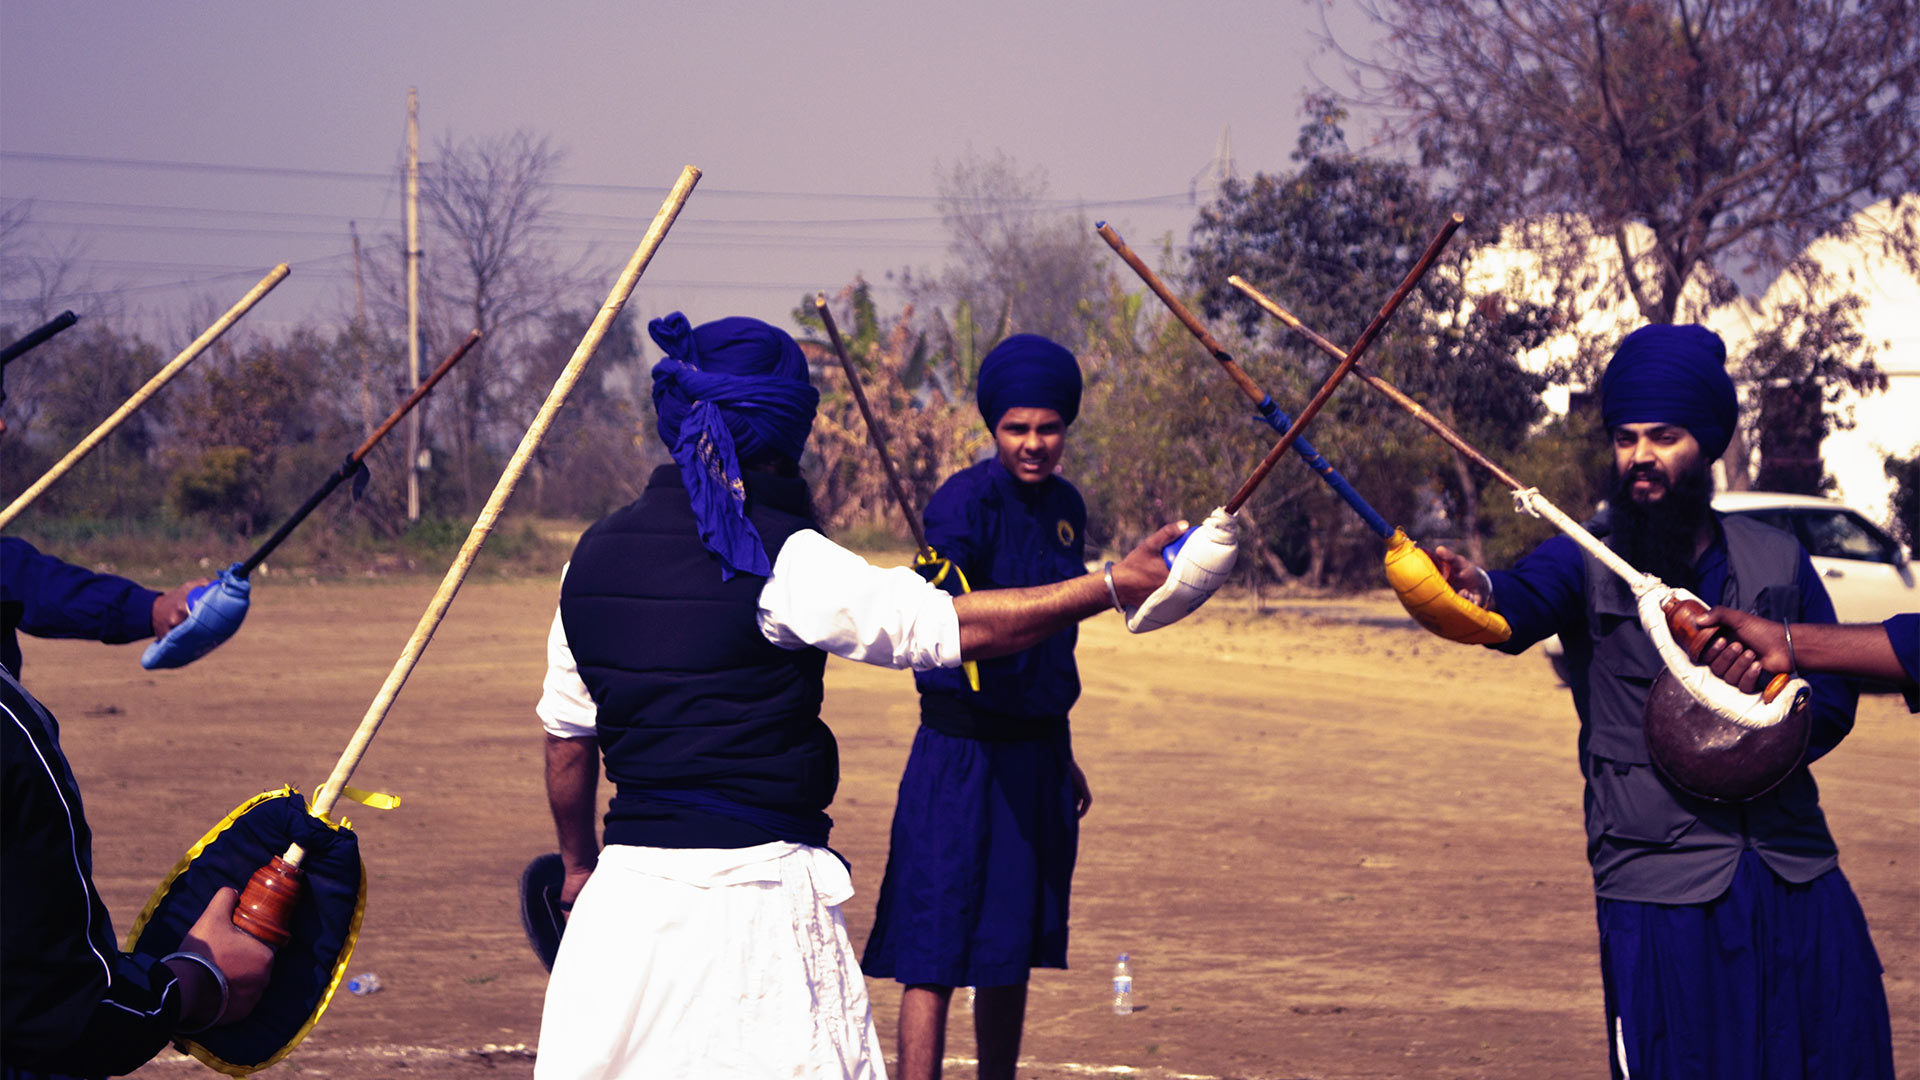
(693, 628)
(1731, 945)
(986, 828)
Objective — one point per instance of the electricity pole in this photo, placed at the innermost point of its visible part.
(413, 298)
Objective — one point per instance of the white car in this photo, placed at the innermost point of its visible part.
(1869, 576)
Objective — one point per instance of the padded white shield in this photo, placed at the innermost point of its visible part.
(1206, 557)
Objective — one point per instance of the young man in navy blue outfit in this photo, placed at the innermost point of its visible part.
(1731, 945)
(987, 824)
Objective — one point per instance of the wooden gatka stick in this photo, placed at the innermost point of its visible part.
(927, 556)
(140, 396)
(1682, 615)
(265, 909)
(1372, 331)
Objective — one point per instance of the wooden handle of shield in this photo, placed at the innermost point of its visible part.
(1683, 619)
(265, 909)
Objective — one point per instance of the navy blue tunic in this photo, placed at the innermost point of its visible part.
(984, 834)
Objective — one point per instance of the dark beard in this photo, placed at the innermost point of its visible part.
(1658, 537)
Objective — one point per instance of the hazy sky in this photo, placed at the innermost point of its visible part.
(819, 128)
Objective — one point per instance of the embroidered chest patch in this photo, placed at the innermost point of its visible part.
(1064, 530)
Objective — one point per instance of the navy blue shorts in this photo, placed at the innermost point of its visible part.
(1771, 981)
(984, 840)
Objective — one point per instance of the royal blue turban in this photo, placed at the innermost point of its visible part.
(1027, 371)
(1672, 375)
(731, 389)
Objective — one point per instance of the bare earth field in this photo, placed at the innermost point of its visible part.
(1334, 845)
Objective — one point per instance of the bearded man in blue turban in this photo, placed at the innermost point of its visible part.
(705, 938)
(1731, 945)
(986, 829)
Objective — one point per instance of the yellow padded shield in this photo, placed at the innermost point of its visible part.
(1433, 603)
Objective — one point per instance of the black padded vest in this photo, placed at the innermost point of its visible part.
(691, 698)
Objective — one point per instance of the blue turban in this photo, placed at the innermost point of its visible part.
(1027, 371)
(731, 389)
(1672, 375)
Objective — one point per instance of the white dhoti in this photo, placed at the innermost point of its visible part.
(708, 962)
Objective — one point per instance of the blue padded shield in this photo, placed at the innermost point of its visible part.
(214, 612)
(326, 920)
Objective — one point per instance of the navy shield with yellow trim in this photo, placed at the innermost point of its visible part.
(326, 921)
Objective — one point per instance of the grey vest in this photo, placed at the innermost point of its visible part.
(1648, 840)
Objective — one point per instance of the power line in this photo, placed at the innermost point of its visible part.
(1062, 203)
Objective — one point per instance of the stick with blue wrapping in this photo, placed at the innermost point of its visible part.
(1718, 755)
(216, 610)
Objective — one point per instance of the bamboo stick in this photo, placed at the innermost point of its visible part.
(140, 396)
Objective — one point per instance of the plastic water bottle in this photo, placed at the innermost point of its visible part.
(1122, 987)
(364, 983)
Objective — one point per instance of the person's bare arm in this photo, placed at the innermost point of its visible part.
(573, 782)
(997, 622)
(1860, 649)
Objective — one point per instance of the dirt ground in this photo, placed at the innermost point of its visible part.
(1334, 846)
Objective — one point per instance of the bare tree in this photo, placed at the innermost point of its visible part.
(490, 266)
(1018, 264)
(1734, 131)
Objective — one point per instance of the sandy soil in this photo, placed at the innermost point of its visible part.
(1334, 845)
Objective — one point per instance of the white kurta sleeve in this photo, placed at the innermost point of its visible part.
(566, 710)
(823, 595)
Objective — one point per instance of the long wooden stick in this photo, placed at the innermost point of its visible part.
(140, 396)
(873, 426)
(1419, 413)
(503, 490)
(1263, 403)
(1427, 259)
(1452, 439)
(1527, 498)
(265, 907)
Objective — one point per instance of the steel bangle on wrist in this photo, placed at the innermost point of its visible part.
(219, 977)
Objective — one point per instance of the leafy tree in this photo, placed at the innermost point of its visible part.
(1904, 512)
(602, 446)
(1802, 366)
(62, 391)
(1329, 240)
(921, 394)
(257, 430)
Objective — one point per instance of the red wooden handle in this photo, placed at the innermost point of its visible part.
(265, 909)
(1683, 619)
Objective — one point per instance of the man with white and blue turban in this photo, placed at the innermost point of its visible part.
(1730, 942)
(693, 628)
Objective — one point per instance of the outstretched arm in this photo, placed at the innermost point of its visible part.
(997, 622)
(1861, 649)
